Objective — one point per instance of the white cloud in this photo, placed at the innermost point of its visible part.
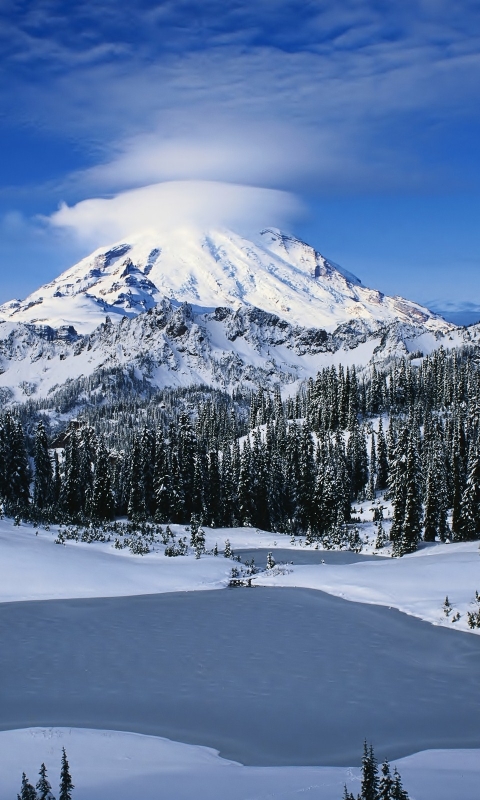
(174, 204)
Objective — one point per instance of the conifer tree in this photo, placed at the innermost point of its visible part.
(66, 784)
(102, 503)
(372, 470)
(56, 480)
(161, 479)
(436, 491)
(44, 790)
(458, 476)
(410, 533)
(19, 470)
(386, 782)
(214, 508)
(469, 522)
(370, 783)
(398, 792)
(27, 791)
(136, 493)
(245, 493)
(306, 480)
(147, 444)
(42, 492)
(72, 489)
(382, 459)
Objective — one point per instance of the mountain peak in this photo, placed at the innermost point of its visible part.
(277, 273)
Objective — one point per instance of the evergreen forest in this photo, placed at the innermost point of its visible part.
(408, 433)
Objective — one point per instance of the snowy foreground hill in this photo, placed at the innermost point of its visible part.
(212, 309)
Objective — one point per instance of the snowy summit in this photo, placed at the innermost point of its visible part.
(277, 273)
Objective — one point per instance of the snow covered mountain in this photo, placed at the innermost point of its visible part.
(195, 308)
(278, 274)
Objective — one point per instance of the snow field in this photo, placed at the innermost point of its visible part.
(33, 567)
(123, 766)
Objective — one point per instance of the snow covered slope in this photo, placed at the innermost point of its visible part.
(277, 273)
(118, 765)
(171, 345)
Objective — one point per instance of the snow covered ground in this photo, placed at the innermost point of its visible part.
(123, 766)
(33, 567)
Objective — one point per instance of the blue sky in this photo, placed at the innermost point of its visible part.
(367, 111)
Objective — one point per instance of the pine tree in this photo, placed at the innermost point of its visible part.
(458, 476)
(357, 460)
(372, 470)
(161, 479)
(245, 493)
(28, 791)
(370, 783)
(18, 477)
(66, 784)
(136, 493)
(72, 488)
(306, 480)
(44, 790)
(42, 492)
(86, 457)
(56, 480)
(386, 783)
(382, 459)
(103, 503)
(147, 444)
(469, 522)
(398, 792)
(436, 491)
(214, 508)
(412, 521)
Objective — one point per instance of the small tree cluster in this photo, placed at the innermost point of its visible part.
(377, 784)
(43, 789)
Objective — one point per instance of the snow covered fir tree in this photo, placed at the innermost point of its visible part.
(407, 436)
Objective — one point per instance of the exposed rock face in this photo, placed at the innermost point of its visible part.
(173, 345)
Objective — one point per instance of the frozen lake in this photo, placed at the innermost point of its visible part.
(301, 555)
(267, 676)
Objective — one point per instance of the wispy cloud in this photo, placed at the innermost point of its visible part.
(335, 95)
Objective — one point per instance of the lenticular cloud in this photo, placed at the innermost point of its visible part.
(174, 204)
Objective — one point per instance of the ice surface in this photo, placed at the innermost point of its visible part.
(302, 555)
(266, 676)
(416, 584)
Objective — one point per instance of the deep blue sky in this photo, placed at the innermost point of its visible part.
(368, 111)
